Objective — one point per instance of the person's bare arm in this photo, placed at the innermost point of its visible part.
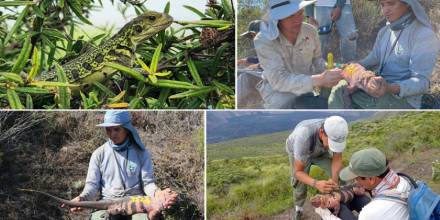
(336, 166)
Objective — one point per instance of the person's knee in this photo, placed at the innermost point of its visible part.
(100, 215)
(139, 216)
(339, 88)
(277, 101)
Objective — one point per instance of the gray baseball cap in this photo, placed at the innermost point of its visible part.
(365, 163)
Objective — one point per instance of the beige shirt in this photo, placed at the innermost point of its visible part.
(288, 67)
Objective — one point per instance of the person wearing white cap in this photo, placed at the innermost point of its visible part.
(317, 142)
(403, 59)
(290, 56)
(121, 167)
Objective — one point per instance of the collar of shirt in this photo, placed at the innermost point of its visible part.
(300, 39)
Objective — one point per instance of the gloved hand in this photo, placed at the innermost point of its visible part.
(326, 214)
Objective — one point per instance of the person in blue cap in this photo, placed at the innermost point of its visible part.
(121, 167)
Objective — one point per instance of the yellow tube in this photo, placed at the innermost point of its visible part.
(330, 62)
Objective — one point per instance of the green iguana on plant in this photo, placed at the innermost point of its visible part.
(89, 66)
(123, 206)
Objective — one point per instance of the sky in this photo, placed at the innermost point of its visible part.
(110, 15)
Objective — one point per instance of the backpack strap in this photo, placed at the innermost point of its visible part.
(411, 180)
(393, 195)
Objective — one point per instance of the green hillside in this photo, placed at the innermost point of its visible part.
(261, 145)
(250, 177)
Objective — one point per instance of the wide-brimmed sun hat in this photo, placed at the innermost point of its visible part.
(121, 118)
(279, 9)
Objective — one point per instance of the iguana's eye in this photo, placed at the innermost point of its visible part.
(151, 18)
(137, 29)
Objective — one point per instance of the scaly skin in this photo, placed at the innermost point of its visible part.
(359, 78)
(333, 200)
(89, 67)
(124, 206)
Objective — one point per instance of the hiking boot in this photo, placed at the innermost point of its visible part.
(297, 216)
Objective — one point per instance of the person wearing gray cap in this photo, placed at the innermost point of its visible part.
(318, 142)
(289, 52)
(121, 167)
(369, 169)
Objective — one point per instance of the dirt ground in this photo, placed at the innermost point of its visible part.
(417, 165)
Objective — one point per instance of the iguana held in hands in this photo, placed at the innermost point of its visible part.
(123, 206)
(333, 200)
(359, 78)
(89, 66)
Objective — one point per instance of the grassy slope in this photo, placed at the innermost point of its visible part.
(259, 184)
(260, 145)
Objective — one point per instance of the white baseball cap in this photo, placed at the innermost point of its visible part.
(336, 129)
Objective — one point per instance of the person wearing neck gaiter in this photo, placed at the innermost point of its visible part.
(369, 169)
(403, 59)
(121, 167)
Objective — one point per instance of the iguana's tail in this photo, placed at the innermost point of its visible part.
(101, 205)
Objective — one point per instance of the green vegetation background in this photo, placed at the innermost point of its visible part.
(198, 56)
(250, 177)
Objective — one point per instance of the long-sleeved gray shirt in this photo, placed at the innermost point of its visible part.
(104, 174)
(411, 62)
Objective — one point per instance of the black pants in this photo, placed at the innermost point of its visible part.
(358, 202)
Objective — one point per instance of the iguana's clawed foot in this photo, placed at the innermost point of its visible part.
(360, 78)
(330, 201)
(163, 199)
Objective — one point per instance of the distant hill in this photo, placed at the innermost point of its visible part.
(227, 125)
(249, 177)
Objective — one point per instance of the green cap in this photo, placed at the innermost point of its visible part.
(365, 163)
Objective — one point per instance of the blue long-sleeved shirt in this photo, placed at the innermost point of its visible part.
(104, 174)
(411, 62)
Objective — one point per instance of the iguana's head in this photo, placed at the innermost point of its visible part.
(146, 25)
